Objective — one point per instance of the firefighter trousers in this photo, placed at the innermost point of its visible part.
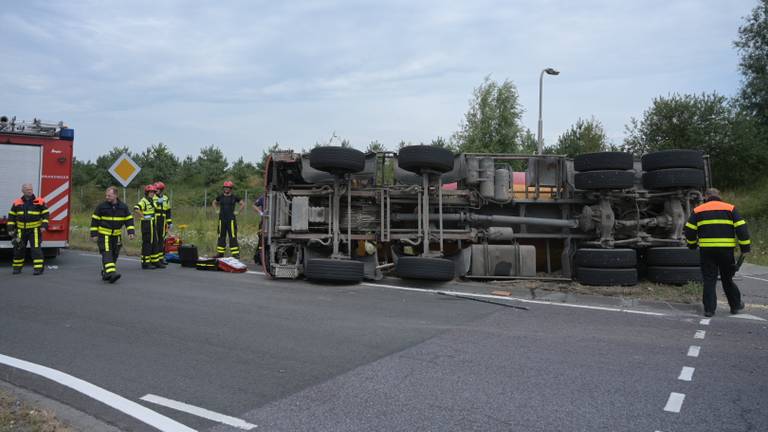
(228, 231)
(716, 261)
(148, 242)
(109, 248)
(32, 236)
(159, 238)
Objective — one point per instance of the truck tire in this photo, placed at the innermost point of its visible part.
(333, 270)
(337, 160)
(604, 180)
(672, 257)
(673, 178)
(420, 157)
(606, 258)
(606, 276)
(603, 161)
(435, 269)
(674, 275)
(673, 159)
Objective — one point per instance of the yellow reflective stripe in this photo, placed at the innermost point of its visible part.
(739, 223)
(691, 241)
(106, 243)
(715, 222)
(13, 213)
(94, 228)
(108, 231)
(691, 226)
(745, 242)
(33, 212)
(37, 239)
(35, 224)
(714, 245)
(717, 240)
(11, 223)
(94, 216)
(130, 227)
(44, 211)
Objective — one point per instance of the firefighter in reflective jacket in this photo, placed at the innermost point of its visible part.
(228, 205)
(27, 221)
(163, 220)
(716, 228)
(145, 210)
(107, 224)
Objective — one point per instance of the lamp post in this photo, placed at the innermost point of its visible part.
(539, 140)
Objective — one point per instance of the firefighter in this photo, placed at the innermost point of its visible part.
(258, 205)
(107, 224)
(145, 210)
(716, 228)
(163, 221)
(228, 205)
(27, 221)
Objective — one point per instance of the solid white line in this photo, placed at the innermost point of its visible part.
(494, 297)
(748, 317)
(757, 278)
(197, 411)
(106, 397)
(675, 402)
(699, 334)
(255, 272)
(705, 321)
(686, 374)
(694, 350)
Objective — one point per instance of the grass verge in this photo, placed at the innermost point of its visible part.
(18, 416)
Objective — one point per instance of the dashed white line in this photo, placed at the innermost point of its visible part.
(694, 350)
(106, 397)
(699, 334)
(200, 412)
(675, 402)
(686, 374)
(757, 278)
(600, 308)
(705, 321)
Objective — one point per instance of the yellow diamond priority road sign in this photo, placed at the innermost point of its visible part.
(124, 169)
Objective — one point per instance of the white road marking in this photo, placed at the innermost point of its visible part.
(699, 334)
(694, 350)
(705, 321)
(106, 397)
(748, 317)
(197, 411)
(686, 374)
(120, 258)
(757, 278)
(255, 272)
(494, 297)
(675, 402)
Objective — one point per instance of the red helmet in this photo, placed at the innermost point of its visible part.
(160, 185)
(229, 184)
(150, 188)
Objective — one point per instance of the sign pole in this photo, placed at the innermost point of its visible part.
(124, 200)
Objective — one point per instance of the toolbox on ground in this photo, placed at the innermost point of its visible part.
(205, 263)
(188, 255)
(232, 265)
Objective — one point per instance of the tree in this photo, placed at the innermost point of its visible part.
(492, 123)
(586, 136)
(261, 165)
(83, 172)
(211, 164)
(752, 45)
(443, 143)
(158, 164)
(241, 171)
(375, 147)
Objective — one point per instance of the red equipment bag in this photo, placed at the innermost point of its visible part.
(172, 244)
(232, 265)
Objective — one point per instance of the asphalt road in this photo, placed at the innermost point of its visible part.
(294, 356)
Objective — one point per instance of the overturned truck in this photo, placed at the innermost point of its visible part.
(336, 214)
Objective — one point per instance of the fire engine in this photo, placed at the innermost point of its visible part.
(39, 153)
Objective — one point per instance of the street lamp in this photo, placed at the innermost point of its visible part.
(548, 71)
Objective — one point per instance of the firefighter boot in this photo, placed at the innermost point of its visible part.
(17, 271)
(37, 272)
(114, 277)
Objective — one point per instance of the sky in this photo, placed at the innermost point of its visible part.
(244, 75)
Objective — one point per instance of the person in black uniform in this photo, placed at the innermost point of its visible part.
(27, 221)
(145, 211)
(716, 228)
(107, 224)
(228, 204)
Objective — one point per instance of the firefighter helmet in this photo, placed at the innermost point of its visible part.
(229, 184)
(150, 188)
(160, 185)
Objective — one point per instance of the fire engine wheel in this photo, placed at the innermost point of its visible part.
(673, 159)
(337, 160)
(606, 258)
(673, 178)
(672, 256)
(603, 161)
(333, 270)
(674, 275)
(435, 269)
(602, 180)
(606, 276)
(420, 157)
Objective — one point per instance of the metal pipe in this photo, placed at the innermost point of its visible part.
(440, 210)
(492, 220)
(425, 214)
(349, 218)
